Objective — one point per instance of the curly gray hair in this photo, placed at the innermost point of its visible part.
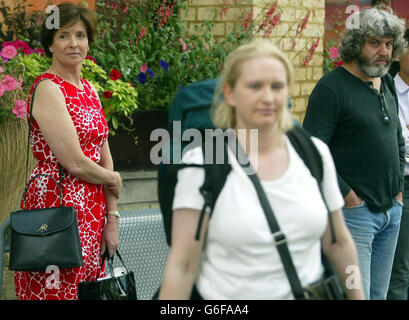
(373, 23)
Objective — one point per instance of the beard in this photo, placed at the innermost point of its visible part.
(370, 69)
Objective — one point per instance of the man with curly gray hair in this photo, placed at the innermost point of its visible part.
(354, 110)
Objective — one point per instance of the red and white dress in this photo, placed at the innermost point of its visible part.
(88, 199)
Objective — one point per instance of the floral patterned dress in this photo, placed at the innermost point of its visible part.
(88, 199)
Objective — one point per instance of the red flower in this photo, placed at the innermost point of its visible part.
(91, 58)
(115, 74)
(338, 63)
(108, 94)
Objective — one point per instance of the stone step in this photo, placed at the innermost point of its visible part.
(139, 189)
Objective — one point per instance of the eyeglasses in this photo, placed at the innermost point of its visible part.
(384, 109)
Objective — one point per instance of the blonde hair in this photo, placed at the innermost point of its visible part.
(223, 115)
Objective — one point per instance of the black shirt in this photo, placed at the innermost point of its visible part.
(366, 143)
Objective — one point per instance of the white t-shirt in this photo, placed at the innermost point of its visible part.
(402, 91)
(240, 260)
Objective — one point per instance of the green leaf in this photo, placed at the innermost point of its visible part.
(114, 122)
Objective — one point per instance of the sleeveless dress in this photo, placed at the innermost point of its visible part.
(88, 199)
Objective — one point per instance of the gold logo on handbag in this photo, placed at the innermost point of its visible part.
(43, 228)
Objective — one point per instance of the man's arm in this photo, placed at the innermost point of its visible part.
(321, 120)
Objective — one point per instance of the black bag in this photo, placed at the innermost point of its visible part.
(112, 287)
(44, 237)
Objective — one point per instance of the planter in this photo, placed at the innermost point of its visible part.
(13, 149)
(131, 150)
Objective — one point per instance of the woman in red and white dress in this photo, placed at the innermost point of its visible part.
(69, 128)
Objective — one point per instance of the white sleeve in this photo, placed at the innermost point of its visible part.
(405, 132)
(187, 194)
(330, 186)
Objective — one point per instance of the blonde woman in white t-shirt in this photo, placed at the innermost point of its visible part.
(239, 259)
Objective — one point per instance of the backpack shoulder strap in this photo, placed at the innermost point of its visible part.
(308, 152)
(215, 177)
(306, 149)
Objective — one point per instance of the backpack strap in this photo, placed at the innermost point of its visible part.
(215, 177)
(308, 152)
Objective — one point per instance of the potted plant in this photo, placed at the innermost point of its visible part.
(145, 43)
(18, 63)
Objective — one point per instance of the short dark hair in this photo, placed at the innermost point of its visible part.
(70, 13)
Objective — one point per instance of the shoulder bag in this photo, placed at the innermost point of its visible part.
(44, 237)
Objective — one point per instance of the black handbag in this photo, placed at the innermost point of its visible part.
(112, 287)
(44, 237)
(329, 286)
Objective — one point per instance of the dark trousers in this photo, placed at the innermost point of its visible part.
(399, 283)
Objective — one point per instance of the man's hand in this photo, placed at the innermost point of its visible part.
(352, 200)
(399, 197)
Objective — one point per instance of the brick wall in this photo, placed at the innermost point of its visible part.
(41, 4)
(292, 13)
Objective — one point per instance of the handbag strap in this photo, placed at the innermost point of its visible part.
(110, 260)
(279, 237)
(60, 169)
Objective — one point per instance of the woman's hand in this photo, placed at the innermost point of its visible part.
(110, 235)
(116, 187)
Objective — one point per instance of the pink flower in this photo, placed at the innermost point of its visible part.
(20, 109)
(40, 51)
(126, 8)
(7, 43)
(1, 89)
(333, 52)
(272, 9)
(20, 83)
(142, 33)
(9, 83)
(183, 44)
(103, 34)
(144, 68)
(8, 52)
(23, 46)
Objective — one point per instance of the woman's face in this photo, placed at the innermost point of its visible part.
(260, 93)
(70, 44)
